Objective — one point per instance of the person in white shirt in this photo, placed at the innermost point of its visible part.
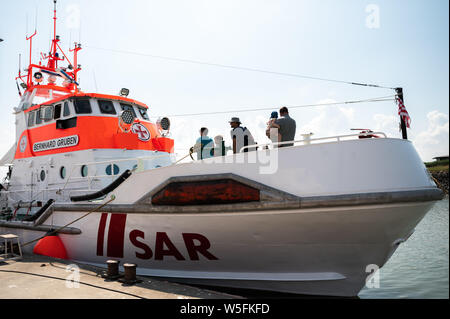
(240, 136)
(220, 149)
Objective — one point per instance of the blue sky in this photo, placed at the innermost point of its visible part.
(326, 38)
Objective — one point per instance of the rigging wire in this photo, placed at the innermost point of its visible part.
(378, 99)
(240, 68)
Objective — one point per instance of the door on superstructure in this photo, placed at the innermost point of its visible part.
(42, 178)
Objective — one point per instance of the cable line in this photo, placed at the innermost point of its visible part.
(240, 68)
(378, 99)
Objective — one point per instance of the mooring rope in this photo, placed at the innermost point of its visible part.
(57, 230)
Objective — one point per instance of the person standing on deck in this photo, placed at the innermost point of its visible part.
(240, 136)
(204, 146)
(287, 128)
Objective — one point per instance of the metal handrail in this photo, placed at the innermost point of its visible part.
(338, 137)
(111, 161)
(88, 178)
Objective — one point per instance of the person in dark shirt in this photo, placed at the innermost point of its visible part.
(287, 127)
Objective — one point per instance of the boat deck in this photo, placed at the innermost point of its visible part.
(41, 277)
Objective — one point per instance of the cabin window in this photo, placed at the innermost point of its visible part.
(143, 112)
(48, 114)
(67, 123)
(57, 113)
(106, 107)
(42, 175)
(84, 170)
(31, 118)
(66, 111)
(82, 106)
(38, 117)
(115, 169)
(62, 172)
(128, 107)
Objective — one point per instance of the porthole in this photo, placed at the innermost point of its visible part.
(62, 172)
(42, 175)
(84, 170)
(115, 169)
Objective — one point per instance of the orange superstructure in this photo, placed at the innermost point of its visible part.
(55, 116)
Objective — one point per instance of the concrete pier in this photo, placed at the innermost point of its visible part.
(39, 277)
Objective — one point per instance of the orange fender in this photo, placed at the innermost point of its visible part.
(51, 246)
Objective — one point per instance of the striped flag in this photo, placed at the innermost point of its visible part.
(403, 113)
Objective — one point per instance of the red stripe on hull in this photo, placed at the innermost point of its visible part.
(116, 235)
(101, 234)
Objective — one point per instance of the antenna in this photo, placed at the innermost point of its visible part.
(35, 19)
(79, 33)
(95, 80)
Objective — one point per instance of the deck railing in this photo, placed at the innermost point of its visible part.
(307, 141)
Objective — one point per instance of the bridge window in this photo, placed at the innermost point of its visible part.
(38, 117)
(48, 113)
(128, 107)
(66, 111)
(143, 112)
(106, 107)
(82, 106)
(30, 118)
(57, 113)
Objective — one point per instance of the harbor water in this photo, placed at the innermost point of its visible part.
(419, 267)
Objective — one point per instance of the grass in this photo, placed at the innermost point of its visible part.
(437, 163)
(438, 168)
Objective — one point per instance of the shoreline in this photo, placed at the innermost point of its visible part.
(442, 179)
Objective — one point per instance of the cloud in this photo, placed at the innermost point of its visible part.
(388, 124)
(329, 120)
(434, 140)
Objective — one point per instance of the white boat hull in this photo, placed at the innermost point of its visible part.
(308, 251)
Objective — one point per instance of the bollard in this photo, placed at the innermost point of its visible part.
(113, 268)
(129, 274)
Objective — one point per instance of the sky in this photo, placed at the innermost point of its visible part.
(136, 44)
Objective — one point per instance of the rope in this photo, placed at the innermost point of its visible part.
(240, 68)
(379, 99)
(57, 230)
(182, 158)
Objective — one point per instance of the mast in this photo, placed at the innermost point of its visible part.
(53, 57)
(399, 92)
(34, 76)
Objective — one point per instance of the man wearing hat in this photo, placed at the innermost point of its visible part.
(241, 136)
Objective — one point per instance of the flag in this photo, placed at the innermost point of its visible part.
(403, 113)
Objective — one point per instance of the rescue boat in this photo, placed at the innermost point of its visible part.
(308, 218)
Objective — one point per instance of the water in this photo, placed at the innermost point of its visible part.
(419, 267)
